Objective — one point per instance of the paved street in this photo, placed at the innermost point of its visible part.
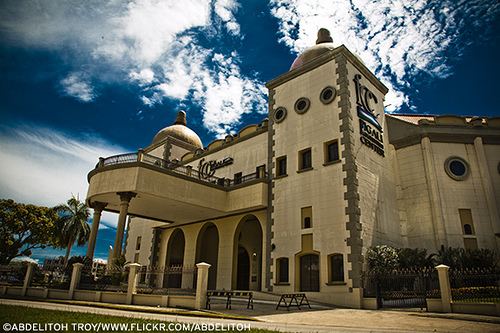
(316, 320)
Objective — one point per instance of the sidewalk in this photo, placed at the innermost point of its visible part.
(316, 320)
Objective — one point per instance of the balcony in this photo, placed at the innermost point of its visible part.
(172, 192)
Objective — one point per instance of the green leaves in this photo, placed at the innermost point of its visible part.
(24, 227)
(384, 258)
(72, 226)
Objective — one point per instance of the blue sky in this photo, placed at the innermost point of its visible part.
(83, 79)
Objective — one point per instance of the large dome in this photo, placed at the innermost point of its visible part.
(180, 131)
(324, 43)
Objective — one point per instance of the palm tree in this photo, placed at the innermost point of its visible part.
(73, 224)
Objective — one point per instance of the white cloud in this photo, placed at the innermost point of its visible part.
(77, 86)
(45, 167)
(225, 10)
(149, 43)
(147, 28)
(395, 39)
(143, 77)
(215, 81)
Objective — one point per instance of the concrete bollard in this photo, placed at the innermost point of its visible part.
(444, 286)
(201, 285)
(132, 281)
(27, 278)
(75, 279)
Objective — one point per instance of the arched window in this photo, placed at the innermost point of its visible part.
(336, 269)
(468, 229)
(282, 270)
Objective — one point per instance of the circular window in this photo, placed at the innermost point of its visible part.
(279, 115)
(457, 168)
(302, 105)
(328, 95)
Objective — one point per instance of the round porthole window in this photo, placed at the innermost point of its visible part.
(457, 168)
(279, 115)
(327, 95)
(302, 105)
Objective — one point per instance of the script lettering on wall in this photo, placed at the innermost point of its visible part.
(207, 169)
(369, 127)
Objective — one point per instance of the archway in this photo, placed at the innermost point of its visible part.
(243, 270)
(247, 254)
(309, 272)
(174, 260)
(207, 250)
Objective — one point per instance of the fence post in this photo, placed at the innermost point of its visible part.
(75, 278)
(444, 286)
(132, 281)
(27, 278)
(201, 285)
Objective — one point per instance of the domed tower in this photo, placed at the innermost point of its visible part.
(173, 141)
(327, 156)
(180, 131)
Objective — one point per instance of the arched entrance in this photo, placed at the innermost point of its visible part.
(174, 260)
(309, 272)
(207, 250)
(247, 254)
(243, 270)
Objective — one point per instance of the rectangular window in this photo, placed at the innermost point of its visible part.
(466, 221)
(470, 243)
(306, 217)
(282, 274)
(237, 178)
(260, 171)
(138, 243)
(336, 267)
(305, 159)
(331, 151)
(136, 258)
(281, 166)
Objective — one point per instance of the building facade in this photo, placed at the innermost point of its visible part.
(292, 203)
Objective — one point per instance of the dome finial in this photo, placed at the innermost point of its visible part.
(324, 36)
(181, 118)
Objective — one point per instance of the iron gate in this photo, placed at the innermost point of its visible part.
(403, 288)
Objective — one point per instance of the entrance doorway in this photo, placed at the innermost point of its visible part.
(175, 260)
(207, 250)
(309, 272)
(247, 254)
(243, 279)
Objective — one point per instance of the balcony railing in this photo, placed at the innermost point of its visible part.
(177, 168)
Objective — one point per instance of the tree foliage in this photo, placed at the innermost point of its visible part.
(25, 227)
(383, 258)
(72, 224)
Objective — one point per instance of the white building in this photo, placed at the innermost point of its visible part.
(292, 204)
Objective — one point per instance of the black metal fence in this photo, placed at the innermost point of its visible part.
(12, 275)
(175, 279)
(475, 285)
(54, 279)
(112, 279)
(402, 288)
(180, 169)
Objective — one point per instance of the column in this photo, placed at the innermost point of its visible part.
(487, 183)
(75, 279)
(434, 196)
(27, 278)
(444, 286)
(132, 281)
(98, 207)
(201, 285)
(125, 198)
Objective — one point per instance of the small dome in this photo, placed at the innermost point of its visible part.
(180, 131)
(324, 43)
